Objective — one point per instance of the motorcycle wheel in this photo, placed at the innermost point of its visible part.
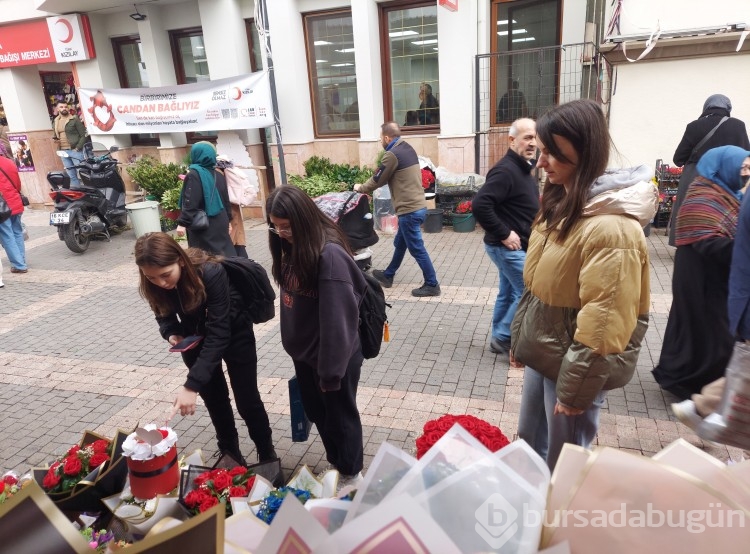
(74, 239)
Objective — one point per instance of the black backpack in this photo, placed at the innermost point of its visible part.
(372, 317)
(251, 280)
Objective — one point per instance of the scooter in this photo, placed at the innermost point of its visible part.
(92, 209)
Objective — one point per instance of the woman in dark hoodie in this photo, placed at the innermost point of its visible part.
(321, 289)
(731, 132)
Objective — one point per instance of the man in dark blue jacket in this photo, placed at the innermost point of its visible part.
(505, 207)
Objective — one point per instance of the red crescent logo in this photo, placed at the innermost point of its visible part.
(69, 28)
(237, 93)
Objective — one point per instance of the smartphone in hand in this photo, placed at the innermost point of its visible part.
(188, 343)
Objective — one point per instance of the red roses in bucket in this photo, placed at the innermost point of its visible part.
(489, 435)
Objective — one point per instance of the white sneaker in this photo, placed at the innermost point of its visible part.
(685, 412)
(349, 481)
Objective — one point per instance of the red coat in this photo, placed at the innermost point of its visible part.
(11, 190)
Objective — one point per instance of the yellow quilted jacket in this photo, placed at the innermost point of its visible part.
(584, 313)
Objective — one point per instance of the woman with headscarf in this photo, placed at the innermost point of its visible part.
(697, 342)
(730, 131)
(201, 193)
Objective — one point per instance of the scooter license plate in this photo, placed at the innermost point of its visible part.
(56, 218)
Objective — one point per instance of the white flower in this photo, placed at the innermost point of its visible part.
(136, 449)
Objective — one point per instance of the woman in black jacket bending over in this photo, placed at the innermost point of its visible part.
(190, 293)
(321, 289)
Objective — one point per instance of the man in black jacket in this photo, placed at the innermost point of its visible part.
(729, 132)
(505, 207)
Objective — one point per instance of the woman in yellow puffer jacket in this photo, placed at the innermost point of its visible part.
(580, 323)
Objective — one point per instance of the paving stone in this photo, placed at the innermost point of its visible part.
(79, 349)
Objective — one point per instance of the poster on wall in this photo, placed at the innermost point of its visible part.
(242, 102)
(19, 147)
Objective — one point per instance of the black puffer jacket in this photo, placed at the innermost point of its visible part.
(216, 320)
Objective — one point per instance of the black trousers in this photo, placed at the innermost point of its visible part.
(242, 367)
(335, 414)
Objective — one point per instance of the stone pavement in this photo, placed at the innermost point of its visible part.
(80, 350)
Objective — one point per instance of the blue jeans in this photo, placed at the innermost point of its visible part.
(409, 236)
(11, 237)
(510, 268)
(545, 432)
(70, 163)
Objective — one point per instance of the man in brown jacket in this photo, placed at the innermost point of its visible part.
(400, 171)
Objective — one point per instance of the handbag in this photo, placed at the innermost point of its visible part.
(5, 212)
(199, 222)
(300, 423)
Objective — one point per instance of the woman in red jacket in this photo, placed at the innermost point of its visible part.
(11, 231)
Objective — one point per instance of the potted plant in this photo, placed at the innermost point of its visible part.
(154, 177)
(463, 218)
(170, 203)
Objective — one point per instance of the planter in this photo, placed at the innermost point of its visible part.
(158, 475)
(174, 215)
(463, 223)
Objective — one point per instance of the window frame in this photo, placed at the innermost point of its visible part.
(385, 60)
(312, 73)
(117, 42)
(494, 15)
(174, 42)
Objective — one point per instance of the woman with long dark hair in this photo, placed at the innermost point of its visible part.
(580, 322)
(190, 294)
(321, 289)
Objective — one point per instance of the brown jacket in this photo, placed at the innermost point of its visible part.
(400, 170)
(584, 313)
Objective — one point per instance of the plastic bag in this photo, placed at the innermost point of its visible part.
(457, 183)
(382, 207)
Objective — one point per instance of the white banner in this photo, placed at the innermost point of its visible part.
(242, 102)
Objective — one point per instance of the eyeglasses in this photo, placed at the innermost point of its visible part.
(284, 232)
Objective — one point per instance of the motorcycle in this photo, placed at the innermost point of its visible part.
(92, 209)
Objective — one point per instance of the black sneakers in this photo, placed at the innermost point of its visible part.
(426, 290)
(387, 282)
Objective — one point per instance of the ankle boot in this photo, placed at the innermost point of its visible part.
(266, 452)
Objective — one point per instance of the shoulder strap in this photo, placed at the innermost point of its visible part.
(708, 136)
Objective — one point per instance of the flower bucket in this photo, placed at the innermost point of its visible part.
(158, 475)
(174, 215)
(463, 223)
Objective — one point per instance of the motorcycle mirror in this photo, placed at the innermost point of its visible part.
(114, 148)
(62, 154)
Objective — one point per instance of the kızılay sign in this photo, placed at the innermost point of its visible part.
(62, 38)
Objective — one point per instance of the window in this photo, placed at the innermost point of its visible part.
(525, 82)
(333, 80)
(411, 84)
(191, 65)
(131, 69)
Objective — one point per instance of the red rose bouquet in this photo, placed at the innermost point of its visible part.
(428, 178)
(11, 483)
(464, 207)
(489, 435)
(68, 470)
(218, 486)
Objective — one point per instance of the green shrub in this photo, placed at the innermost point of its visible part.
(154, 177)
(337, 173)
(170, 199)
(316, 185)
